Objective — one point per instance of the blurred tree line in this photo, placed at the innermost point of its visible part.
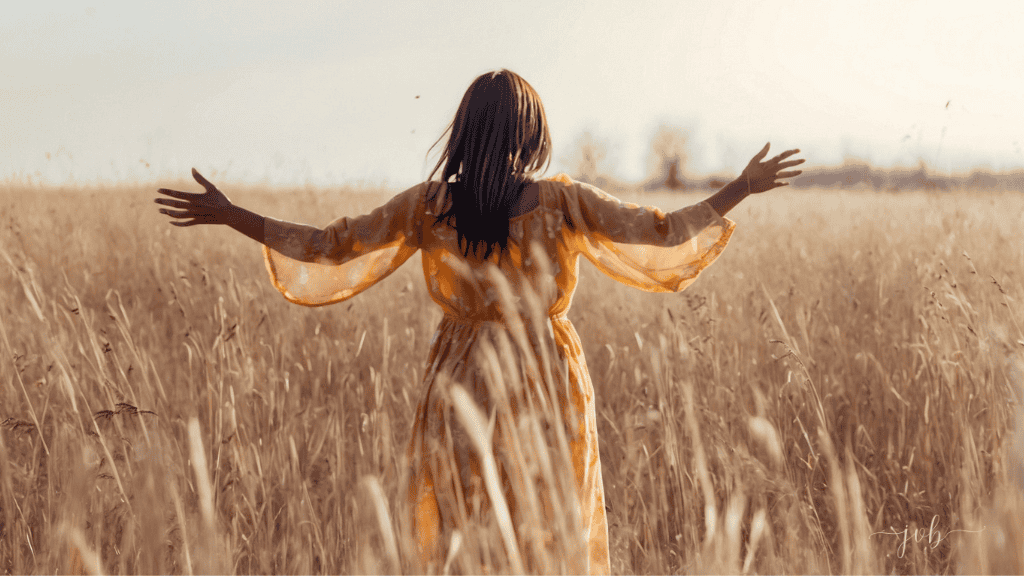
(668, 156)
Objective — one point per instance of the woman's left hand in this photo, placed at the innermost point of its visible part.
(210, 207)
(762, 176)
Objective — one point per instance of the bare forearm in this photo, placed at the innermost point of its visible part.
(729, 196)
(246, 222)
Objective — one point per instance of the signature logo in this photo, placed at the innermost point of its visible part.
(933, 535)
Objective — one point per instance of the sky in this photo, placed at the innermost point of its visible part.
(332, 93)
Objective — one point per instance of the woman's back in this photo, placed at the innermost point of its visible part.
(642, 247)
(466, 287)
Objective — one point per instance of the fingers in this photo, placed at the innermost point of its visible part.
(173, 203)
(177, 194)
(199, 178)
(189, 195)
(763, 152)
(777, 160)
(191, 211)
(194, 205)
(178, 213)
(783, 165)
(764, 187)
(789, 174)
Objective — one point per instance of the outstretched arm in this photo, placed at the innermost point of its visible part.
(249, 223)
(728, 197)
(212, 207)
(757, 177)
(309, 265)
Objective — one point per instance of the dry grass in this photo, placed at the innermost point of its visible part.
(836, 395)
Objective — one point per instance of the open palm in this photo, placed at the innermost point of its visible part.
(209, 207)
(763, 176)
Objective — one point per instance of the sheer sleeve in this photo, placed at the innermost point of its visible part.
(642, 246)
(314, 267)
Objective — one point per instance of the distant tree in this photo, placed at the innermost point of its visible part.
(668, 152)
(590, 156)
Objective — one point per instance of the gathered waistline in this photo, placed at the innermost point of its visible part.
(468, 320)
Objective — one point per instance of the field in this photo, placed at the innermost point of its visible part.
(837, 394)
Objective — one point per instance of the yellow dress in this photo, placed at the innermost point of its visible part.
(639, 246)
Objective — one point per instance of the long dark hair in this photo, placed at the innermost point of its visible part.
(497, 140)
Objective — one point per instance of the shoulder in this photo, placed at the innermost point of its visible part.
(571, 192)
(568, 194)
(561, 189)
(420, 196)
(433, 196)
(561, 178)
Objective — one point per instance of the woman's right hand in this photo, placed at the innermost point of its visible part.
(761, 176)
(210, 207)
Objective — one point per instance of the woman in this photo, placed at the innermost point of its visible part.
(497, 247)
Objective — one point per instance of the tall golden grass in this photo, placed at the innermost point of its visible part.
(838, 394)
